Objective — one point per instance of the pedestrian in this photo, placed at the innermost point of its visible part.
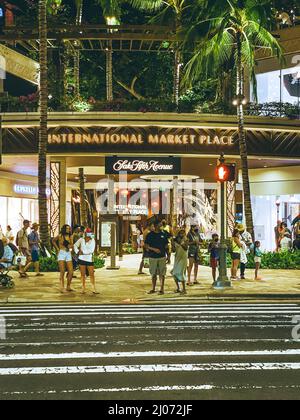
(85, 248)
(214, 251)
(166, 229)
(257, 259)
(156, 245)
(24, 249)
(247, 242)
(244, 259)
(277, 234)
(194, 254)
(149, 228)
(64, 244)
(9, 235)
(236, 253)
(283, 230)
(6, 255)
(296, 244)
(179, 271)
(34, 244)
(286, 243)
(78, 233)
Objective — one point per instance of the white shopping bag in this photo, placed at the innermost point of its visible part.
(20, 260)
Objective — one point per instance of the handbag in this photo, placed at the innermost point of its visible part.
(20, 260)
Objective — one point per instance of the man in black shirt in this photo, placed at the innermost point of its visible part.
(156, 245)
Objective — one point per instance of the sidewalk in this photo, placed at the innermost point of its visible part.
(125, 286)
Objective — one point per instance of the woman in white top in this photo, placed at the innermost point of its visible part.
(85, 248)
(9, 235)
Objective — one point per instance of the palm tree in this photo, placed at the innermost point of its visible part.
(112, 12)
(224, 31)
(43, 132)
(172, 12)
(79, 13)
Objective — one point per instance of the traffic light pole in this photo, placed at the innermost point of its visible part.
(223, 280)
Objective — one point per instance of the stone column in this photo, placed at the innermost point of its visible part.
(58, 194)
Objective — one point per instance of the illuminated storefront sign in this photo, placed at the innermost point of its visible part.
(265, 140)
(143, 166)
(28, 190)
(139, 139)
(132, 210)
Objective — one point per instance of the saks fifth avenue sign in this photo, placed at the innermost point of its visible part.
(140, 137)
(143, 166)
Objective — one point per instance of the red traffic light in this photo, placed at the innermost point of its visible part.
(225, 173)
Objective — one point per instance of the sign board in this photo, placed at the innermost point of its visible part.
(19, 65)
(106, 235)
(143, 165)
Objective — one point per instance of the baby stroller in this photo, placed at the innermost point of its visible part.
(5, 279)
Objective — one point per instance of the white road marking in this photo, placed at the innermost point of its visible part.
(166, 306)
(79, 370)
(89, 314)
(125, 355)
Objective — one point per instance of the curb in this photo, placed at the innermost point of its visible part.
(162, 300)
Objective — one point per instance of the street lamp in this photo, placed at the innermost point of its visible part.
(239, 100)
(224, 173)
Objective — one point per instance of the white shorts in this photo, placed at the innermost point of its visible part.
(64, 256)
(257, 260)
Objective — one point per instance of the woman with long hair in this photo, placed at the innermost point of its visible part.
(236, 253)
(194, 239)
(63, 244)
(85, 248)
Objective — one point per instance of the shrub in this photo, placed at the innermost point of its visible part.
(270, 261)
(50, 265)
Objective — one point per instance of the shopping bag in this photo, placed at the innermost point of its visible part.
(20, 260)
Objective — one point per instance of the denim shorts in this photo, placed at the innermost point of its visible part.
(65, 256)
(35, 256)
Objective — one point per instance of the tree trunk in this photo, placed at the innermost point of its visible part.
(83, 212)
(177, 68)
(109, 73)
(77, 55)
(242, 139)
(43, 132)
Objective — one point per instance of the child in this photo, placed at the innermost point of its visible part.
(257, 259)
(213, 249)
(244, 259)
(179, 271)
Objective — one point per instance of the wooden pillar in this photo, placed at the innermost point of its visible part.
(58, 195)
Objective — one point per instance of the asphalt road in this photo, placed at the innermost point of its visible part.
(177, 352)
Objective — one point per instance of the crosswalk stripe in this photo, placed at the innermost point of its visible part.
(86, 314)
(67, 370)
(138, 309)
(145, 354)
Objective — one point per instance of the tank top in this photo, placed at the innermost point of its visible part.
(235, 248)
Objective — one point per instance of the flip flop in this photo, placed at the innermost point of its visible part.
(151, 292)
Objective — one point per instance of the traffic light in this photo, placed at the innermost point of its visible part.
(226, 173)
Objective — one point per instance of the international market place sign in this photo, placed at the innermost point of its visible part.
(140, 140)
(154, 140)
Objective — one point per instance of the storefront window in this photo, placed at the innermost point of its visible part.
(15, 210)
(267, 210)
(279, 86)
